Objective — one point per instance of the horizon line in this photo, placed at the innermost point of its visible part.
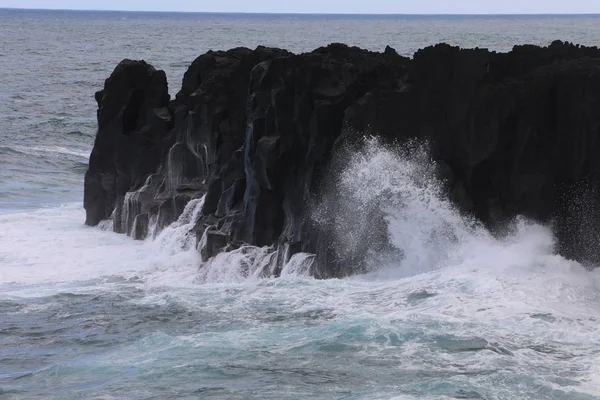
(297, 13)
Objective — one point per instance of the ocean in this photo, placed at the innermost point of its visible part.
(89, 314)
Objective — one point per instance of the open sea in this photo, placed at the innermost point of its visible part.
(89, 314)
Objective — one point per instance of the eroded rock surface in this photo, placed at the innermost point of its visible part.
(254, 132)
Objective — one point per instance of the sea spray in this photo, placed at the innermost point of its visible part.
(87, 313)
(300, 265)
(498, 318)
(422, 229)
(383, 205)
(248, 263)
(399, 185)
(179, 236)
(386, 206)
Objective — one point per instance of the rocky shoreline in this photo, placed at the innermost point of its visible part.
(254, 131)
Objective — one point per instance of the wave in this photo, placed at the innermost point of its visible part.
(46, 150)
(426, 234)
(429, 239)
(487, 316)
(78, 133)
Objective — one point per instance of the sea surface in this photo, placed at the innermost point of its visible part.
(89, 314)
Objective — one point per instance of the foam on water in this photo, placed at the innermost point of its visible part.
(53, 247)
(244, 264)
(424, 228)
(459, 313)
(86, 313)
(298, 266)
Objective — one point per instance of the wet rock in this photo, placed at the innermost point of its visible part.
(140, 226)
(519, 132)
(215, 242)
(134, 121)
(254, 132)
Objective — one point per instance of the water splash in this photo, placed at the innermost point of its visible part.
(390, 208)
(299, 265)
(247, 263)
(135, 203)
(494, 317)
(180, 235)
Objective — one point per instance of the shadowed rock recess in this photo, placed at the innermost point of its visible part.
(254, 132)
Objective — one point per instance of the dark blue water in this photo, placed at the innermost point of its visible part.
(88, 314)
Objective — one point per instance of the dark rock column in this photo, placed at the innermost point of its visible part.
(255, 131)
(134, 121)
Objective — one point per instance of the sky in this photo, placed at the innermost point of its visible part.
(325, 6)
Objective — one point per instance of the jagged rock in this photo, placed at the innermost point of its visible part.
(296, 109)
(520, 131)
(170, 209)
(254, 132)
(134, 121)
(215, 242)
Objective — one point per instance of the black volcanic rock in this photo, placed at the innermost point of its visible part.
(134, 121)
(519, 131)
(253, 131)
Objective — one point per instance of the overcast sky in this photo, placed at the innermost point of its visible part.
(326, 6)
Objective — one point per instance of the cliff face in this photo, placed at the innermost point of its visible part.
(254, 131)
(134, 123)
(519, 132)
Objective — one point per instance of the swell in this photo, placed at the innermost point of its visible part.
(495, 325)
(44, 151)
(33, 176)
(454, 312)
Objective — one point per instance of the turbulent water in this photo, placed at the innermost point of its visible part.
(449, 312)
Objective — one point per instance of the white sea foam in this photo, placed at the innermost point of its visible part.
(298, 266)
(52, 246)
(423, 226)
(503, 313)
(244, 264)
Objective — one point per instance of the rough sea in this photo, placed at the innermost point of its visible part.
(89, 314)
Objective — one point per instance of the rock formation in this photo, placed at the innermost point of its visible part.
(254, 132)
